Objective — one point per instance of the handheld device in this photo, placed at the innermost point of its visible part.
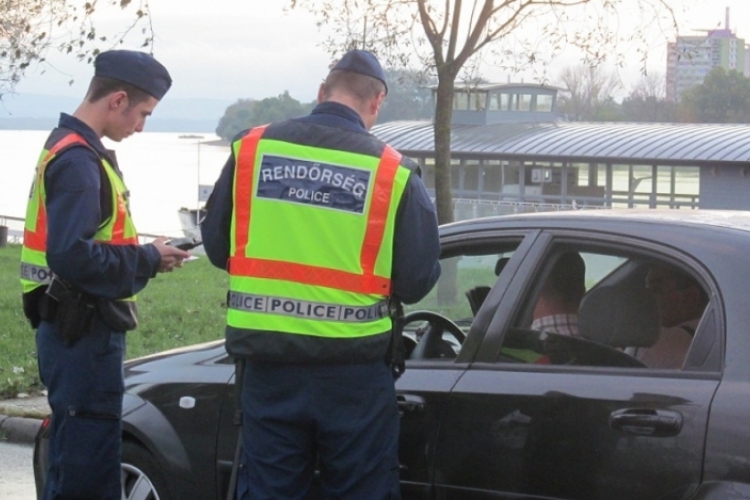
(184, 243)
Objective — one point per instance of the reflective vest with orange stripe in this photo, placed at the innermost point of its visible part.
(118, 229)
(311, 240)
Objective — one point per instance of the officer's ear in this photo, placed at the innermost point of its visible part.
(376, 103)
(117, 100)
(322, 92)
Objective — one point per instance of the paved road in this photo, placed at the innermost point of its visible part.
(16, 473)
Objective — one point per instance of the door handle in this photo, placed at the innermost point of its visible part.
(409, 403)
(646, 422)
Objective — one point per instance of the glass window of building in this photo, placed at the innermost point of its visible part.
(494, 102)
(479, 101)
(471, 178)
(428, 173)
(455, 174)
(505, 102)
(524, 102)
(544, 103)
(493, 178)
(461, 100)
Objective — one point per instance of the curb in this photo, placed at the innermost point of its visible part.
(20, 430)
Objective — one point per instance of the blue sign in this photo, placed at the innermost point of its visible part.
(313, 183)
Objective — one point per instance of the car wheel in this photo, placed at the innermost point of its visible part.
(141, 476)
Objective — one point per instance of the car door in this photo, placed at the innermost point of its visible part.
(613, 430)
(470, 263)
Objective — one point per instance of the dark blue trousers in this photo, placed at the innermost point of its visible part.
(342, 416)
(85, 386)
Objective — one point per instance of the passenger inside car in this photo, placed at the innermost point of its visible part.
(556, 309)
(681, 302)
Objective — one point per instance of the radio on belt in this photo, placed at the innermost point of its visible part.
(184, 243)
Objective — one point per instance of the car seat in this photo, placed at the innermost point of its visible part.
(619, 317)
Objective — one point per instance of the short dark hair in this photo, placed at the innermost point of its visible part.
(101, 87)
(567, 280)
(361, 86)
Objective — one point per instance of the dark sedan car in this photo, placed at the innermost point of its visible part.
(621, 405)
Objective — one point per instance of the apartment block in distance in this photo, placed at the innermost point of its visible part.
(691, 58)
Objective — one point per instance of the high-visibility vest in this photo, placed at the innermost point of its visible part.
(118, 229)
(300, 262)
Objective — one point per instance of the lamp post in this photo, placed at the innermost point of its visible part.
(198, 183)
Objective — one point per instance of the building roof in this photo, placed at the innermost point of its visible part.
(674, 144)
(483, 87)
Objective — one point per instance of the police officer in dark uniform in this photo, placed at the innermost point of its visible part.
(320, 225)
(81, 268)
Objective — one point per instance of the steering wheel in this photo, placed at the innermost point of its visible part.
(430, 343)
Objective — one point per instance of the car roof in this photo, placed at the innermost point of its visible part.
(732, 219)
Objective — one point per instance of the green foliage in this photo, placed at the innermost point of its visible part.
(177, 309)
(724, 97)
(246, 113)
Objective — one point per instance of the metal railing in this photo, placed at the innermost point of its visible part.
(14, 227)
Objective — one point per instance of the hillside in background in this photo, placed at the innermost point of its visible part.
(40, 112)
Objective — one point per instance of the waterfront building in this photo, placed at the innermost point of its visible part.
(511, 152)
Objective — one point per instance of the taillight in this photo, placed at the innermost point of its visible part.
(45, 423)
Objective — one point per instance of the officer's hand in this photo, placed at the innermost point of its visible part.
(171, 257)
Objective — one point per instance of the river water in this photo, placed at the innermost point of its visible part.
(161, 169)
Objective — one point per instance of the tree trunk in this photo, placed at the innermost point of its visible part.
(447, 288)
(442, 126)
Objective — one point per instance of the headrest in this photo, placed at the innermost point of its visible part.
(619, 317)
(500, 264)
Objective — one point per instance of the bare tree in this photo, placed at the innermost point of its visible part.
(650, 85)
(647, 101)
(586, 91)
(29, 29)
(446, 35)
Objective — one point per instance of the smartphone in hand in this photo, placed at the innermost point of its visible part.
(184, 243)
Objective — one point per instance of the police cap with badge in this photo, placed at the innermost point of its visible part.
(135, 68)
(362, 62)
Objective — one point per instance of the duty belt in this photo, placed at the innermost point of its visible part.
(308, 310)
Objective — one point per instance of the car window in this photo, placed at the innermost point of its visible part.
(599, 266)
(461, 275)
(593, 307)
(467, 275)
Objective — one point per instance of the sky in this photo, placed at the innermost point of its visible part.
(232, 49)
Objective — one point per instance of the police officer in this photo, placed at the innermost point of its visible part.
(318, 224)
(81, 268)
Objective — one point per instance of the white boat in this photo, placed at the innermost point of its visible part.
(189, 222)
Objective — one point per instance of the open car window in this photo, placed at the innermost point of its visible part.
(444, 316)
(609, 308)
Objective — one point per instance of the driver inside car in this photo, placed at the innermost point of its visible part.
(556, 309)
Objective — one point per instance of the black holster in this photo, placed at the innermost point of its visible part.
(33, 304)
(73, 311)
(396, 349)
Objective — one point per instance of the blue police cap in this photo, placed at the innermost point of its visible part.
(136, 68)
(362, 62)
